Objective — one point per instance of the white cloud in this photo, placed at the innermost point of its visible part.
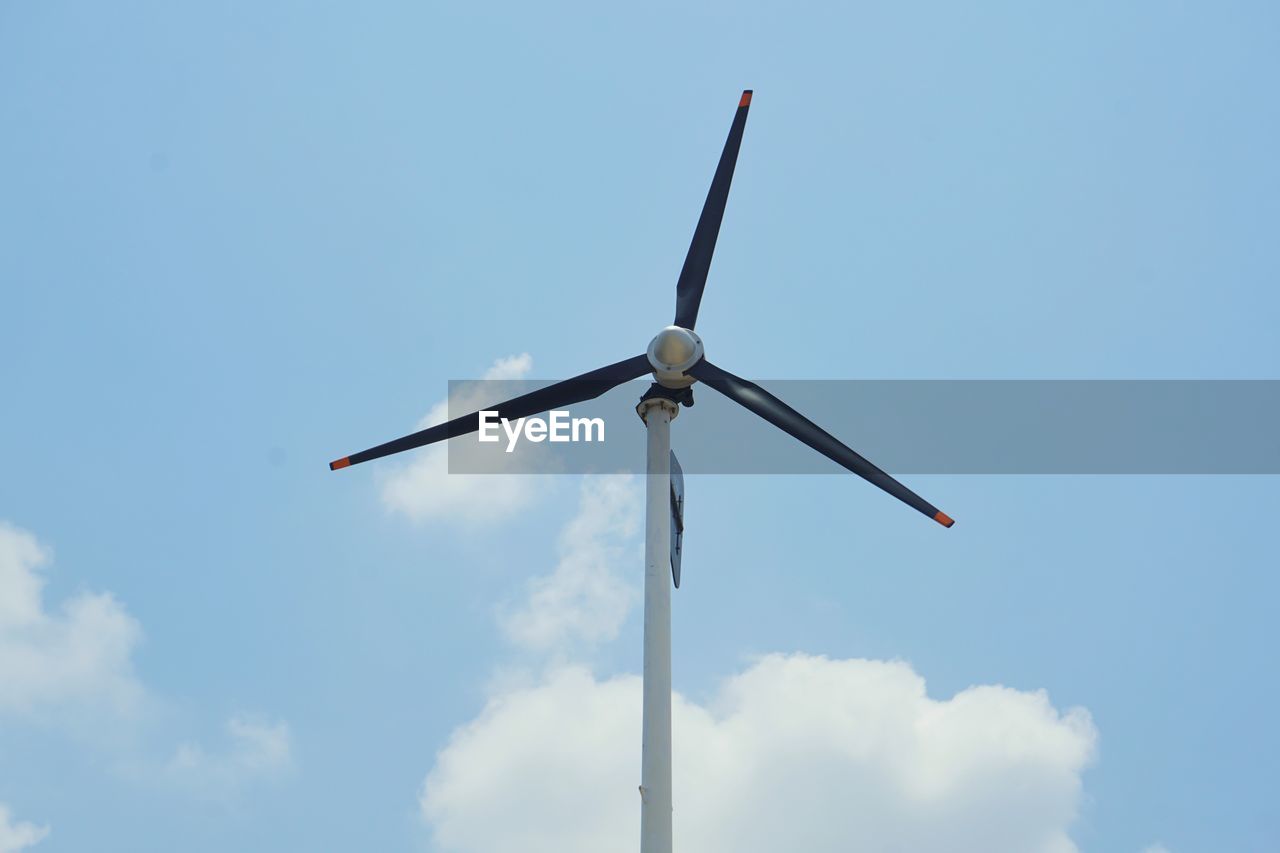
(587, 598)
(422, 488)
(16, 836)
(73, 663)
(255, 749)
(78, 655)
(796, 752)
(1155, 848)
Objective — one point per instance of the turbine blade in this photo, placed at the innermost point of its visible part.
(585, 387)
(693, 276)
(778, 413)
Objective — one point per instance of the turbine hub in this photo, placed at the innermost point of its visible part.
(672, 352)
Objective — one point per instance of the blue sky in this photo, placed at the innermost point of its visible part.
(241, 240)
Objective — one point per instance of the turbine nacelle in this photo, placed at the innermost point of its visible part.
(673, 351)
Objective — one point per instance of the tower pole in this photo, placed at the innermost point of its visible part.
(655, 754)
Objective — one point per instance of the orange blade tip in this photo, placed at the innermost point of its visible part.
(340, 463)
(746, 98)
(943, 519)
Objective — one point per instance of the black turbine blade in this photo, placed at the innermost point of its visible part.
(778, 413)
(588, 386)
(693, 276)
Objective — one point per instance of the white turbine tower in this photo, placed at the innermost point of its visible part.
(676, 360)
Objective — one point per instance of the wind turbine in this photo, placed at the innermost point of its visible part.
(675, 358)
